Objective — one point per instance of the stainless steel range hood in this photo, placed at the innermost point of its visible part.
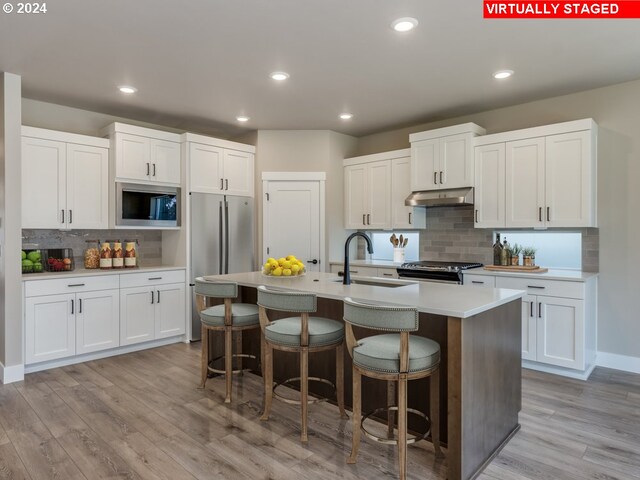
(452, 197)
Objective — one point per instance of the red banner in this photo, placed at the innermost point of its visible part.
(562, 9)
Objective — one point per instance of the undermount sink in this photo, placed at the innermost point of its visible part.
(378, 283)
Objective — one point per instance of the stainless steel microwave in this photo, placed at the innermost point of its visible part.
(147, 206)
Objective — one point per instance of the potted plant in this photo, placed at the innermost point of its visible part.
(529, 256)
(514, 254)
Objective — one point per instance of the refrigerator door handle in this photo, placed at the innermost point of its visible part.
(220, 240)
(226, 235)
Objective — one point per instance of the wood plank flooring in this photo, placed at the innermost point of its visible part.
(140, 416)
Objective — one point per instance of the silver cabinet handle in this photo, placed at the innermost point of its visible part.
(535, 286)
(435, 178)
(80, 305)
(409, 218)
(71, 306)
(531, 309)
(364, 219)
(539, 214)
(353, 271)
(152, 298)
(226, 184)
(158, 295)
(76, 285)
(148, 166)
(548, 214)
(387, 274)
(477, 282)
(476, 215)
(155, 278)
(368, 219)
(222, 184)
(62, 216)
(154, 169)
(70, 216)
(539, 309)
(440, 178)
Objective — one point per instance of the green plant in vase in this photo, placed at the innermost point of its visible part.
(514, 254)
(529, 256)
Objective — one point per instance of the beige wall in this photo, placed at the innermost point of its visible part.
(306, 151)
(10, 222)
(616, 109)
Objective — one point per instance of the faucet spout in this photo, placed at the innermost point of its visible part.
(346, 279)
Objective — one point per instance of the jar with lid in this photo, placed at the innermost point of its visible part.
(106, 262)
(130, 254)
(117, 255)
(92, 254)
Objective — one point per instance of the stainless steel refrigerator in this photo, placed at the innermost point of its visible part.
(221, 240)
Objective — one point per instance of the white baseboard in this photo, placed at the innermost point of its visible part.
(14, 373)
(565, 372)
(618, 362)
(87, 357)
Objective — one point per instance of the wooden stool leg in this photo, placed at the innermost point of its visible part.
(267, 369)
(304, 391)
(356, 416)
(239, 349)
(340, 380)
(228, 361)
(402, 425)
(204, 370)
(391, 402)
(434, 401)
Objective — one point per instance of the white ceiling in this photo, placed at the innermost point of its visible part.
(200, 63)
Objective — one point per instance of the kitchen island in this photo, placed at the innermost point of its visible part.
(479, 332)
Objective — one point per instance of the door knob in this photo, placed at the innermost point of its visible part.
(314, 261)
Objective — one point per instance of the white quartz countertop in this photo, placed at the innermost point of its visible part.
(83, 272)
(435, 298)
(368, 263)
(552, 274)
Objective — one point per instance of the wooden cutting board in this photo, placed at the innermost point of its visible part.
(515, 268)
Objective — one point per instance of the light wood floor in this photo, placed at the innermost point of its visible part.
(140, 416)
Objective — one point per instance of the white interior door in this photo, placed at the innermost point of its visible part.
(292, 222)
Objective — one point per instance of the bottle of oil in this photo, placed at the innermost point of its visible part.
(497, 251)
(504, 254)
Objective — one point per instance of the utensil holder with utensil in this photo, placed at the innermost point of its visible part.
(398, 255)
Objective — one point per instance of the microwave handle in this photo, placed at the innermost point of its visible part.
(226, 235)
(220, 246)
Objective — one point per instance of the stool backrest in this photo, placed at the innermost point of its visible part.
(217, 289)
(286, 301)
(381, 317)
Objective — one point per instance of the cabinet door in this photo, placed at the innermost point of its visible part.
(489, 186)
(137, 307)
(43, 183)
(379, 195)
(238, 173)
(87, 187)
(529, 309)
(525, 183)
(355, 177)
(133, 157)
(425, 165)
(170, 310)
(456, 164)
(165, 161)
(560, 332)
(205, 167)
(50, 331)
(97, 321)
(401, 215)
(569, 181)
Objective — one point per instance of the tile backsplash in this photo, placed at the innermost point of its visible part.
(149, 250)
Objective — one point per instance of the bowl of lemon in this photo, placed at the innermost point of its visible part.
(285, 267)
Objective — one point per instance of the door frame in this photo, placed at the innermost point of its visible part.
(320, 178)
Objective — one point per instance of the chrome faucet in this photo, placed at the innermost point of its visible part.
(347, 276)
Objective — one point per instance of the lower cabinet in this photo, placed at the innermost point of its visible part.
(97, 321)
(50, 331)
(529, 327)
(560, 332)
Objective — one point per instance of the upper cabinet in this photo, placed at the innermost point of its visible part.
(219, 166)
(443, 158)
(144, 155)
(549, 177)
(375, 187)
(65, 180)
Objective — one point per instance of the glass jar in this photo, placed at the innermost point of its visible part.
(117, 255)
(129, 254)
(106, 262)
(92, 254)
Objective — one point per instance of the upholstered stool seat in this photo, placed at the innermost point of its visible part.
(322, 331)
(230, 318)
(381, 353)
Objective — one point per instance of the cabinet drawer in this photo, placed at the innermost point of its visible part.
(363, 271)
(151, 278)
(57, 286)
(388, 272)
(552, 288)
(480, 280)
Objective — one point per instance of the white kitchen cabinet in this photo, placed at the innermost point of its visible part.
(50, 331)
(529, 327)
(403, 216)
(549, 177)
(137, 315)
(479, 281)
(144, 155)
(97, 321)
(65, 180)
(219, 166)
(368, 195)
(355, 196)
(490, 186)
(170, 308)
(560, 332)
(443, 158)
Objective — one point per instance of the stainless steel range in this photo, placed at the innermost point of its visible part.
(432, 271)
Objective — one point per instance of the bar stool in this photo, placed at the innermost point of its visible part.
(394, 357)
(303, 334)
(228, 318)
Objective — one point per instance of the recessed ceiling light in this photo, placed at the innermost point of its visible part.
(346, 116)
(128, 89)
(242, 118)
(404, 24)
(279, 76)
(502, 74)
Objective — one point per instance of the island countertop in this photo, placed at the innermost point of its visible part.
(434, 298)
